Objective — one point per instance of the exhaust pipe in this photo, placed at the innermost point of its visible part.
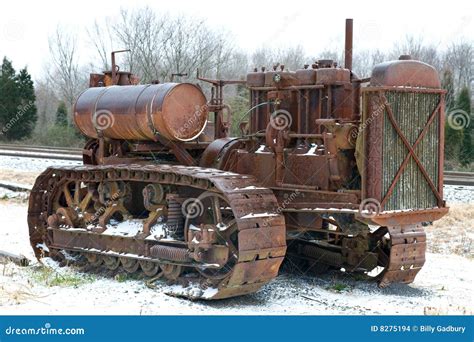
(348, 46)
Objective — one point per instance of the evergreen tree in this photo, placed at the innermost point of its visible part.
(61, 115)
(26, 110)
(17, 103)
(464, 103)
(8, 96)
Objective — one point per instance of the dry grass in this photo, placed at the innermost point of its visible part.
(18, 176)
(12, 292)
(454, 233)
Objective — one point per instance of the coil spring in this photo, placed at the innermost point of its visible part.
(175, 222)
(170, 253)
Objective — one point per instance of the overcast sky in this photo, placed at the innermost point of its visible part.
(26, 25)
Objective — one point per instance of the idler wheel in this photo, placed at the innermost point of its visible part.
(129, 265)
(171, 272)
(150, 268)
(112, 263)
(94, 259)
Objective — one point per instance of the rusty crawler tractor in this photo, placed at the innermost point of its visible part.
(330, 171)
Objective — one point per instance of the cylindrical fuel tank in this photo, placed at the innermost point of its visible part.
(176, 111)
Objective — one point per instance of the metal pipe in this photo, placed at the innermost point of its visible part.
(348, 47)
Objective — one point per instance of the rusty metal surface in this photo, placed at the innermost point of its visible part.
(261, 231)
(348, 44)
(406, 73)
(407, 254)
(315, 146)
(141, 112)
(410, 176)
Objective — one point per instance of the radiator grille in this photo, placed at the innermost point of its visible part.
(411, 111)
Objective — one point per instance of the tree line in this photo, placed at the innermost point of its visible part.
(162, 44)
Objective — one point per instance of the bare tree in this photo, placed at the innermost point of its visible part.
(65, 73)
(364, 62)
(291, 57)
(46, 103)
(143, 32)
(460, 59)
(101, 37)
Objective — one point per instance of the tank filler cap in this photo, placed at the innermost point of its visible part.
(325, 63)
(404, 58)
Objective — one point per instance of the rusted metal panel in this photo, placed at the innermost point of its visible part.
(176, 111)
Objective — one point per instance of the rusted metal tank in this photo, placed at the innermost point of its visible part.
(175, 111)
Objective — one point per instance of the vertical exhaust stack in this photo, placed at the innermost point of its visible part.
(348, 46)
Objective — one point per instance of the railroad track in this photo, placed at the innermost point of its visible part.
(43, 152)
(458, 178)
(75, 154)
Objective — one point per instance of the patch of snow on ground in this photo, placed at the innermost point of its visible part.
(442, 287)
(32, 164)
(458, 194)
(125, 228)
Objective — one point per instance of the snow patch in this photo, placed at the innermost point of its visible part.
(252, 215)
(192, 291)
(125, 228)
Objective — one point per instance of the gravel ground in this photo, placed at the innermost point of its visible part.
(32, 164)
(459, 194)
(444, 286)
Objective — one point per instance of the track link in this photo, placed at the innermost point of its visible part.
(407, 254)
(261, 229)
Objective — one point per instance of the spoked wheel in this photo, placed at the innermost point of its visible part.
(94, 259)
(112, 263)
(216, 213)
(171, 272)
(149, 268)
(73, 205)
(129, 265)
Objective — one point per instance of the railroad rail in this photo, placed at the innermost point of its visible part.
(42, 152)
(458, 178)
(75, 154)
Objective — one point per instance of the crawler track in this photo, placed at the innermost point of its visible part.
(406, 255)
(260, 229)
